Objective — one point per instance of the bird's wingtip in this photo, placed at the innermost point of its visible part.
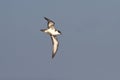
(45, 18)
(53, 55)
(42, 30)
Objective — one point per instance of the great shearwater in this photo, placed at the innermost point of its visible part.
(53, 32)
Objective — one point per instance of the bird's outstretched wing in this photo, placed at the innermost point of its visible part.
(50, 23)
(55, 44)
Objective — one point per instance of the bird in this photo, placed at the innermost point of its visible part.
(53, 33)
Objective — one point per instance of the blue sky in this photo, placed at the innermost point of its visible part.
(89, 47)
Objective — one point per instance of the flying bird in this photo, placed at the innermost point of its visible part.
(53, 32)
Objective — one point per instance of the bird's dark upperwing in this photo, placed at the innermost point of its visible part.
(55, 44)
(50, 23)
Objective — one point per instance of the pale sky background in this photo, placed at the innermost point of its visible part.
(89, 47)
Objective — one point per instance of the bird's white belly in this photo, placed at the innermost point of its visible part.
(52, 32)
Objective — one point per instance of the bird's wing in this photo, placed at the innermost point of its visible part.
(50, 23)
(55, 44)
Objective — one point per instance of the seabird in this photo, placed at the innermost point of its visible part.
(53, 32)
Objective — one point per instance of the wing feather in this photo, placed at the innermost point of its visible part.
(50, 24)
(55, 45)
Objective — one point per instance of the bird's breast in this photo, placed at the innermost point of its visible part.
(53, 32)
